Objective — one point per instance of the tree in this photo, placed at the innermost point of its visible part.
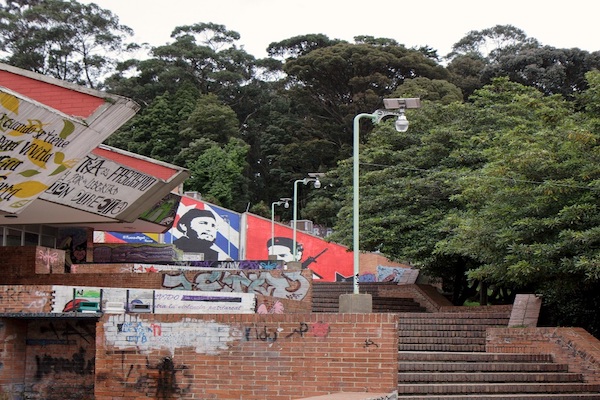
(550, 70)
(63, 39)
(219, 174)
(203, 55)
(493, 42)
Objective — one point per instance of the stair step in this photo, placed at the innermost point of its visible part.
(433, 366)
(475, 357)
(440, 334)
(489, 377)
(437, 347)
(496, 388)
(446, 340)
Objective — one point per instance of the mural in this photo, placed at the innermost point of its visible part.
(205, 232)
(328, 261)
(37, 146)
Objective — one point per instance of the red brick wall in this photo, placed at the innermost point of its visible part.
(25, 299)
(12, 354)
(572, 346)
(275, 357)
(60, 359)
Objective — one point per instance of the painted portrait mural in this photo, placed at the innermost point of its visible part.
(205, 232)
(329, 261)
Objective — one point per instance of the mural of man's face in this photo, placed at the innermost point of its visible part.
(285, 253)
(205, 228)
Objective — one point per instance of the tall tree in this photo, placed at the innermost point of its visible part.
(63, 39)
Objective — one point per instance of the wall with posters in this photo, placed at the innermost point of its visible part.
(205, 232)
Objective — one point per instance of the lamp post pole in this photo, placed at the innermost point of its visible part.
(305, 181)
(283, 200)
(394, 107)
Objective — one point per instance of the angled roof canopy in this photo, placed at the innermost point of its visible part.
(54, 169)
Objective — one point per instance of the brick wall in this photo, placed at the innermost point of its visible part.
(12, 354)
(275, 357)
(572, 346)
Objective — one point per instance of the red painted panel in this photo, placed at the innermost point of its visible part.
(329, 261)
(70, 102)
(146, 166)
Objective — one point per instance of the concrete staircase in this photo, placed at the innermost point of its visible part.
(326, 297)
(442, 356)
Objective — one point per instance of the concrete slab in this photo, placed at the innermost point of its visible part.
(356, 303)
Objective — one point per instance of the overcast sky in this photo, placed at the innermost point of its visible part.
(436, 23)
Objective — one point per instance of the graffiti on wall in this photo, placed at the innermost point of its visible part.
(287, 285)
(328, 261)
(195, 265)
(205, 232)
(205, 337)
(73, 299)
(24, 299)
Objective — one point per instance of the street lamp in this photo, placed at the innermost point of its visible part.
(393, 107)
(286, 203)
(314, 177)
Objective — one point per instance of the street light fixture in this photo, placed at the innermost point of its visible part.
(313, 177)
(393, 108)
(285, 201)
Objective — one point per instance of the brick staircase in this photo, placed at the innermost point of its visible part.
(326, 297)
(442, 357)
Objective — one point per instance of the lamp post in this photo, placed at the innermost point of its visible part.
(393, 107)
(314, 177)
(286, 203)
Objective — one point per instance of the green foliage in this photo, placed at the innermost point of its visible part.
(63, 39)
(217, 173)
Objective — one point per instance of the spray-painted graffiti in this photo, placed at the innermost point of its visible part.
(289, 285)
(271, 334)
(195, 265)
(277, 308)
(77, 364)
(23, 299)
(206, 337)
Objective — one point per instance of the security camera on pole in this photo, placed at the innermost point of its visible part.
(357, 302)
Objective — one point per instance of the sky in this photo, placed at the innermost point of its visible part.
(435, 23)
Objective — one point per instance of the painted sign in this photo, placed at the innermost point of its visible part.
(37, 145)
(329, 261)
(196, 302)
(99, 186)
(205, 232)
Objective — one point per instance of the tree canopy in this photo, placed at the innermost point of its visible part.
(493, 190)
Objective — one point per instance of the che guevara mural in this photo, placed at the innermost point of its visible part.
(328, 261)
(206, 232)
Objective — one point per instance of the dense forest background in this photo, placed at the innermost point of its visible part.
(493, 190)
